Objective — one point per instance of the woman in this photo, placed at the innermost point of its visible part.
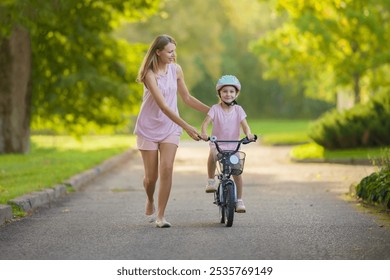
(159, 126)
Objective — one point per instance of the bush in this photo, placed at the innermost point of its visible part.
(375, 188)
(365, 125)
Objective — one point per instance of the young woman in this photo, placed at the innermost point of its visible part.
(159, 126)
(227, 118)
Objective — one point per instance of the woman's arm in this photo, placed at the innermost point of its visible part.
(185, 94)
(151, 84)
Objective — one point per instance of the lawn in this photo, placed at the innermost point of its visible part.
(281, 132)
(274, 132)
(314, 151)
(53, 159)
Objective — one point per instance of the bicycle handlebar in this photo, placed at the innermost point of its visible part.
(244, 141)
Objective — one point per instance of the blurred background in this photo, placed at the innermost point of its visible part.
(296, 59)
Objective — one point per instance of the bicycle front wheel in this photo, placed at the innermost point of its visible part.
(230, 203)
(221, 204)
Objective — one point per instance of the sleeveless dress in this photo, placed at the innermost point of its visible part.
(152, 124)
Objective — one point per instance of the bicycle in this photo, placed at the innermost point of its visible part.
(230, 162)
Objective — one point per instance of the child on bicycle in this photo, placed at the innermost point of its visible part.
(227, 118)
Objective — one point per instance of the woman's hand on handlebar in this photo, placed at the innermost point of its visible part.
(193, 133)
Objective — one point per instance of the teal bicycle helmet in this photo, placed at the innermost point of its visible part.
(228, 80)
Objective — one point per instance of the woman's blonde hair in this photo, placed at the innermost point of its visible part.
(151, 60)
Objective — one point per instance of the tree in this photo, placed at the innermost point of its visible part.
(334, 44)
(15, 91)
(81, 74)
(213, 40)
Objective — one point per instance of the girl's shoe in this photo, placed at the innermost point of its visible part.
(162, 223)
(210, 187)
(240, 207)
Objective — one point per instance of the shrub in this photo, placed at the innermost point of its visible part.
(365, 125)
(375, 188)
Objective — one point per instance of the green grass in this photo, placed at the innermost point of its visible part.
(281, 132)
(274, 132)
(53, 159)
(315, 151)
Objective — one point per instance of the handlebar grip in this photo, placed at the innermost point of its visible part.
(247, 141)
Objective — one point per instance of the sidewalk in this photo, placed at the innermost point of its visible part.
(31, 201)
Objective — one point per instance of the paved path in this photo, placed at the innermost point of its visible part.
(294, 211)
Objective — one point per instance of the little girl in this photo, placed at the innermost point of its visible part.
(227, 118)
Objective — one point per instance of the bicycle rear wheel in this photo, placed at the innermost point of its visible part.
(230, 203)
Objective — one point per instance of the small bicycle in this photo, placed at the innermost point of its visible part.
(230, 162)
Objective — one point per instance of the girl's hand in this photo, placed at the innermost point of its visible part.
(250, 136)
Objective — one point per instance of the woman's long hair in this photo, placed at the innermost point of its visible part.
(151, 60)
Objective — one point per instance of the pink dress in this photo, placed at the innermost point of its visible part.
(226, 125)
(152, 124)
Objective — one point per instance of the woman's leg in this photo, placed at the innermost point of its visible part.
(167, 158)
(150, 159)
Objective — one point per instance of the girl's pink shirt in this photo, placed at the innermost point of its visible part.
(152, 123)
(226, 125)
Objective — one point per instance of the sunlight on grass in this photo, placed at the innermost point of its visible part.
(315, 151)
(308, 151)
(86, 143)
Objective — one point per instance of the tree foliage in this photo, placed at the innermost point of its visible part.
(330, 45)
(82, 75)
(213, 39)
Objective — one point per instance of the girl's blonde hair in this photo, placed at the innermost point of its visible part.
(151, 60)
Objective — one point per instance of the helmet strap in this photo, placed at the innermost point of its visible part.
(234, 102)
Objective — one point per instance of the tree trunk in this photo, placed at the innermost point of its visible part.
(15, 92)
(356, 88)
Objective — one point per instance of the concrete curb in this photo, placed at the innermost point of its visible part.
(31, 201)
(5, 213)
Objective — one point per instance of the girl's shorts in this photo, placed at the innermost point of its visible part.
(143, 144)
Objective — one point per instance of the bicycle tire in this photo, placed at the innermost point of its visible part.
(230, 203)
(220, 204)
(222, 214)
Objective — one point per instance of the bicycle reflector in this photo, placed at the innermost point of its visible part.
(234, 159)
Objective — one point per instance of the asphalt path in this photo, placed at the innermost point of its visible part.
(295, 211)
